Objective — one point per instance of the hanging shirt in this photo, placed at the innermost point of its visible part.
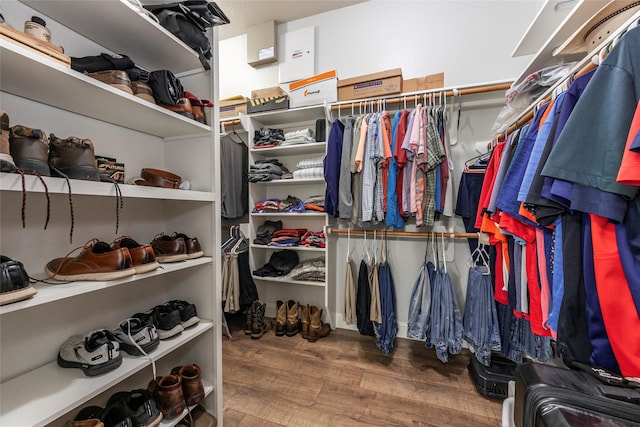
(401, 157)
(345, 197)
(356, 175)
(385, 122)
(332, 167)
(370, 169)
(409, 155)
(392, 215)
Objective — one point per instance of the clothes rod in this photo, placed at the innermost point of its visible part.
(403, 233)
(435, 92)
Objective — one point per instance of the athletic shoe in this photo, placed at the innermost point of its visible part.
(134, 331)
(96, 353)
(188, 313)
(14, 281)
(139, 405)
(111, 416)
(166, 320)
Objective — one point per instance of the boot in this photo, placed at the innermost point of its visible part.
(192, 387)
(317, 329)
(73, 157)
(293, 324)
(249, 317)
(6, 160)
(29, 149)
(305, 319)
(167, 392)
(258, 327)
(281, 318)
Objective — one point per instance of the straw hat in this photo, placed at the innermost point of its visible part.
(608, 19)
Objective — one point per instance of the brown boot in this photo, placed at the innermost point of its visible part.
(258, 327)
(293, 324)
(281, 318)
(317, 329)
(305, 320)
(6, 160)
(29, 149)
(167, 392)
(249, 317)
(192, 387)
(73, 157)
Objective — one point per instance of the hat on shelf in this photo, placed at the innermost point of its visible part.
(608, 19)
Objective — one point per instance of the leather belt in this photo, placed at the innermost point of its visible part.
(158, 178)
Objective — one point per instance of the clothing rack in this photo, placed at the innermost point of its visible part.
(414, 234)
(437, 93)
(581, 67)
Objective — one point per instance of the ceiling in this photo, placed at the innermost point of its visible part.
(245, 13)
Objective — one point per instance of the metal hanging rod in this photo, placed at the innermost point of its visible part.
(413, 234)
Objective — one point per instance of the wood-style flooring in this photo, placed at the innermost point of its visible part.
(344, 380)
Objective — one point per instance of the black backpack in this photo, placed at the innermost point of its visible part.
(166, 87)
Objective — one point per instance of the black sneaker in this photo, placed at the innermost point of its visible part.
(14, 281)
(138, 405)
(166, 320)
(96, 353)
(188, 313)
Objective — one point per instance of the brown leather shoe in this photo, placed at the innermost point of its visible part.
(317, 329)
(183, 107)
(193, 246)
(73, 157)
(293, 324)
(142, 256)
(281, 318)
(198, 105)
(305, 320)
(192, 387)
(142, 90)
(97, 261)
(169, 249)
(167, 392)
(6, 160)
(116, 78)
(29, 149)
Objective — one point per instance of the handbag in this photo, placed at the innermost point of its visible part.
(166, 87)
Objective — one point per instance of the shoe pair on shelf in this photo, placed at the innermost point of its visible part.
(176, 247)
(98, 352)
(180, 389)
(120, 79)
(134, 408)
(15, 284)
(171, 318)
(100, 261)
(292, 317)
(190, 106)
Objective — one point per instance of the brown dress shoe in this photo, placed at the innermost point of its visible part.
(167, 392)
(192, 387)
(317, 329)
(29, 149)
(293, 324)
(97, 261)
(142, 90)
(183, 107)
(193, 246)
(73, 157)
(142, 256)
(281, 318)
(169, 249)
(305, 320)
(116, 78)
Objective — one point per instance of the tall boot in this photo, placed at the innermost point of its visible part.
(293, 324)
(258, 326)
(281, 318)
(305, 319)
(317, 329)
(249, 317)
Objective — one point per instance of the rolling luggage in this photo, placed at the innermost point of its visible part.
(551, 396)
(492, 381)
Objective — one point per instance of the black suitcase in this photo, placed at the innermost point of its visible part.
(555, 397)
(492, 381)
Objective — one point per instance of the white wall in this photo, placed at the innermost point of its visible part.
(471, 41)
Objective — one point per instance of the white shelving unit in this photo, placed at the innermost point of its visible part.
(41, 93)
(271, 289)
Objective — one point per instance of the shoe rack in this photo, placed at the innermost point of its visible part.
(40, 92)
(272, 289)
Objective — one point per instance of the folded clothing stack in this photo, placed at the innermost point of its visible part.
(309, 168)
(263, 235)
(267, 170)
(314, 203)
(313, 238)
(287, 237)
(280, 264)
(311, 270)
(267, 205)
(302, 136)
(267, 138)
(291, 204)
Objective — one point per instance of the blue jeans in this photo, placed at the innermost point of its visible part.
(419, 305)
(446, 321)
(387, 330)
(480, 320)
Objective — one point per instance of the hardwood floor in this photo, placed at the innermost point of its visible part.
(344, 380)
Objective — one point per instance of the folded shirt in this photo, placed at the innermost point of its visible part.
(314, 162)
(298, 140)
(310, 173)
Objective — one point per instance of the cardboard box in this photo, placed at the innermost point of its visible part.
(109, 168)
(314, 90)
(232, 107)
(432, 81)
(267, 104)
(267, 92)
(371, 85)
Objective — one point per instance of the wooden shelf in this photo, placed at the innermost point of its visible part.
(12, 182)
(117, 25)
(45, 394)
(49, 293)
(287, 150)
(289, 281)
(41, 79)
